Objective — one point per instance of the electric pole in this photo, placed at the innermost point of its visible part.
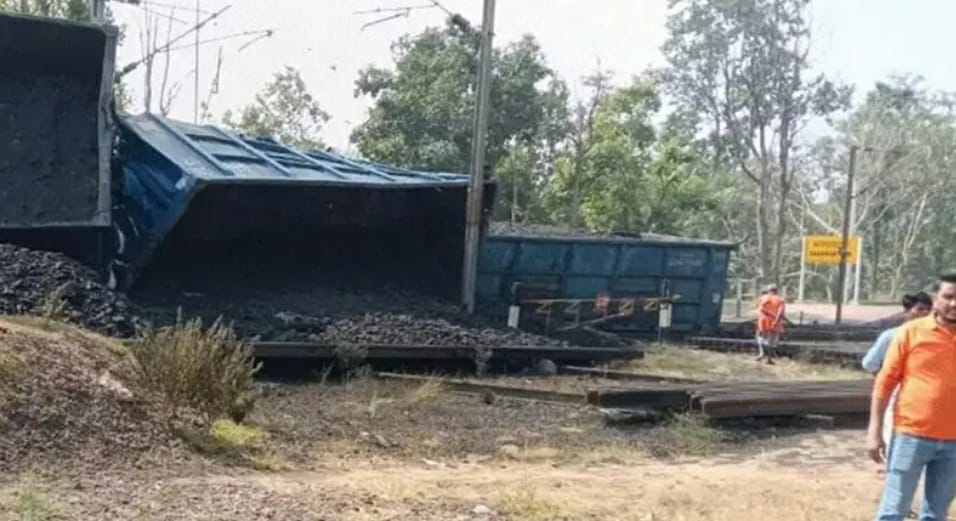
(196, 82)
(845, 241)
(476, 184)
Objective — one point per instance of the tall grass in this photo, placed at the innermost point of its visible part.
(208, 370)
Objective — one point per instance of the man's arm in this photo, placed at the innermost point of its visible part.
(886, 381)
(873, 359)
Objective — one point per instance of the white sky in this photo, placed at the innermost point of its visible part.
(856, 41)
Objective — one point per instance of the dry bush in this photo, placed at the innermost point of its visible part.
(54, 305)
(525, 505)
(208, 370)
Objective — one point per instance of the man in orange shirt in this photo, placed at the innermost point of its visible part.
(922, 361)
(770, 309)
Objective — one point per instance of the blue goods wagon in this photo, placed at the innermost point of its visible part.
(561, 266)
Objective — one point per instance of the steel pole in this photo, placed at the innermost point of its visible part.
(846, 233)
(196, 79)
(803, 269)
(858, 272)
(473, 220)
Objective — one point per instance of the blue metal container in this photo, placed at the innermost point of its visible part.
(581, 267)
(187, 187)
(56, 129)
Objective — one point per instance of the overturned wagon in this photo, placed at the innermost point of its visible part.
(555, 273)
(56, 133)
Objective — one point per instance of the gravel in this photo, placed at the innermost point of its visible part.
(35, 282)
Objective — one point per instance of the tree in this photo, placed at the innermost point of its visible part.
(622, 175)
(423, 110)
(904, 169)
(574, 180)
(284, 109)
(527, 166)
(738, 70)
(77, 10)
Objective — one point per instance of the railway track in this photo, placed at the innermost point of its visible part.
(442, 353)
(847, 353)
(741, 399)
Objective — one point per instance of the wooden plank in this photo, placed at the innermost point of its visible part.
(473, 387)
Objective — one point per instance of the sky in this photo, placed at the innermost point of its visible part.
(855, 41)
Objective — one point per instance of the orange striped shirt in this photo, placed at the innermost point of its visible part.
(922, 360)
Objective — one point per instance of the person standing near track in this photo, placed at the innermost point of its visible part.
(921, 361)
(770, 311)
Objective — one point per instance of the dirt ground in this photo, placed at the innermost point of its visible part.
(369, 449)
(375, 450)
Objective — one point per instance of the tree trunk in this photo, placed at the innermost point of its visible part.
(763, 233)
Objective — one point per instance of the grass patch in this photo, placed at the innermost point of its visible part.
(31, 501)
(525, 505)
(226, 434)
(684, 435)
(686, 362)
(428, 391)
(270, 462)
(675, 360)
(10, 369)
(208, 370)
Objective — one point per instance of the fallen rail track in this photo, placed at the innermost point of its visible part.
(741, 399)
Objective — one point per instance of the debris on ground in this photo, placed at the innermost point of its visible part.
(54, 285)
(71, 395)
(321, 306)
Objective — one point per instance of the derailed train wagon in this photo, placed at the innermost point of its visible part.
(574, 270)
(202, 195)
(56, 131)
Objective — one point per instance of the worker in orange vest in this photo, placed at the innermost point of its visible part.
(770, 310)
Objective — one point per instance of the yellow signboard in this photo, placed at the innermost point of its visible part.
(825, 249)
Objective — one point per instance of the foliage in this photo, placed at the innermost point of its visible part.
(284, 109)
(904, 170)
(77, 10)
(423, 108)
(738, 72)
(208, 370)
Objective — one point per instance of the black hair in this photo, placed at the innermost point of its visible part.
(909, 301)
(916, 299)
(944, 277)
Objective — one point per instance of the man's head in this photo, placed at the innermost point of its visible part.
(944, 302)
(771, 289)
(917, 305)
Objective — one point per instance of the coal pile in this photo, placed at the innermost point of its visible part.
(67, 394)
(45, 283)
(48, 127)
(386, 328)
(324, 307)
